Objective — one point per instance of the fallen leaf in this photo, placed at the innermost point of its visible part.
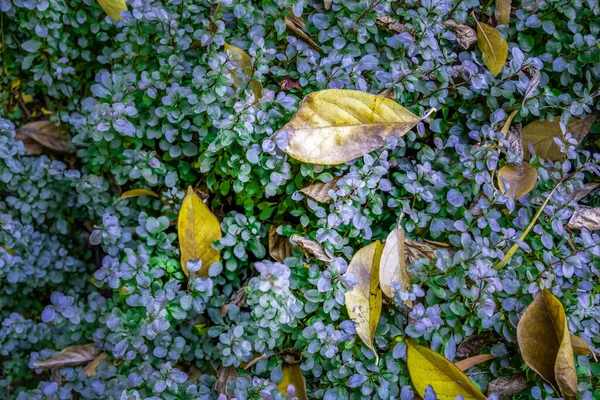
(580, 193)
(90, 369)
(545, 343)
(312, 248)
(292, 384)
(238, 299)
(426, 367)
(521, 179)
(507, 386)
(364, 301)
(137, 193)
(416, 250)
(392, 24)
(45, 134)
(580, 346)
(320, 190)
(467, 363)
(392, 267)
(244, 61)
(541, 134)
(502, 13)
(113, 8)
(280, 247)
(327, 4)
(253, 362)
(474, 344)
(289, 83)
(534, 81)
(585, 217)
(335, 126)
(290, 355)
(493, 47)
(224, 375)
(465, 35)
(297, 26)
(70, 356)
(197, 229)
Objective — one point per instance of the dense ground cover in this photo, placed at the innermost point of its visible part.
(487, 219)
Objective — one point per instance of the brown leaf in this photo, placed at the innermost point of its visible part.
(289, 83)
(515, 140)
(70, 356)
(280, 247)
(320, 190)
(534, 81)
(392, 267)
(585, 217)
(580, 346)
(312, 248)
(465, 35)
(425, 249)
(521, 179)
(45, 134)
(580, 193)
(467, 363)
(327, 4)
(391, 24)
(90, 369)
(545, 343)
(297, 26)
(238, 299)
(475, 343)
(507, 386)
(291, 356)
(256, 359)
(502, 13)
(224, 375)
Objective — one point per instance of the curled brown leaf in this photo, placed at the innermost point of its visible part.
(475, 343)
(507, 386)
(465, 35)
(320, 191)
(392, 24)
(297, 27)
(585, 217)
(534, 81)
(467, 363)
(312, 248)
(280, 247)
(70, 356)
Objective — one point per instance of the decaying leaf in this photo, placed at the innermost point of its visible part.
(244, 60)
(502, 13)
(364, 301)
(580, 346)
(392, 267)
(534, 81)
(580, 193)
(90, 369)
(392, 24)
(249, 365)
(293, 382)
(320, 190)
(72, 355)
(289, 83)
(467, 363)
(113, 8)
(238, 299)
(493, 47)
(507, 386)
(280, 247)
(335, 126)
(224, 375)
(312, 248)
(424, 249)
(290, 355)
(585, 217)
(137, 193)
(541, 134)
(521, 179)
(43, 134)
(197, 228)
(474, 344)
(545, 343)
(297, 27)
(512, 133)
(426, 367)
(327, 4)
(465, 35)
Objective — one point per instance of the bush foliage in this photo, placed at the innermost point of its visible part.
(489, 217)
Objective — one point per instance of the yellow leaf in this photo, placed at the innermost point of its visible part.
(364, 301)
(292, 382)
(473, 361)
(393, 264)
(336, 126)
(113, 8)
(70, 356)
(244, 61)
(198, 228)
(580, 346)
(503, 11)
(521, 180)
(545, 343)
(509, 121)
(493, 47)
(45, 111)
(320, 191)
(38, 134)
(426, 367)
(137, 193)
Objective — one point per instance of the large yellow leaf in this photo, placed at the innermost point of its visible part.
(393, 264)
(198, 228)
(493, 47)
(244, 60)
(113, 8)
(426, 367)
(364, 301)
(545, 343)
(292, 378)
(336, 126)
(521, 180)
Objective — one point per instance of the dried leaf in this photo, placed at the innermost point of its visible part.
(327, 4)
(224, 375)
(513, 135)
(391, 24)
(253, 362)
(502, 13)
(137, 193)
(580, 346)
(507, 386)
(70, 356)
(238, 299)
(426, 367)
(197, 228)
(90, 369)
(291, 355)
(320, 190)
(475, 343)
(312, 248)
(297, 26)
(113, 8)
(493, 47)
(545, 343)
(364, 301)
(290, 83)
(534, 80)
(585, 217)
(393, 264)
(541, 134)
(45, 134)
(280, 247)
(336, 126)
(465, 35)
(467, 363)
(521, 179)
(580, 193)
(425, 249)
(292, 382)
(244, 61)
